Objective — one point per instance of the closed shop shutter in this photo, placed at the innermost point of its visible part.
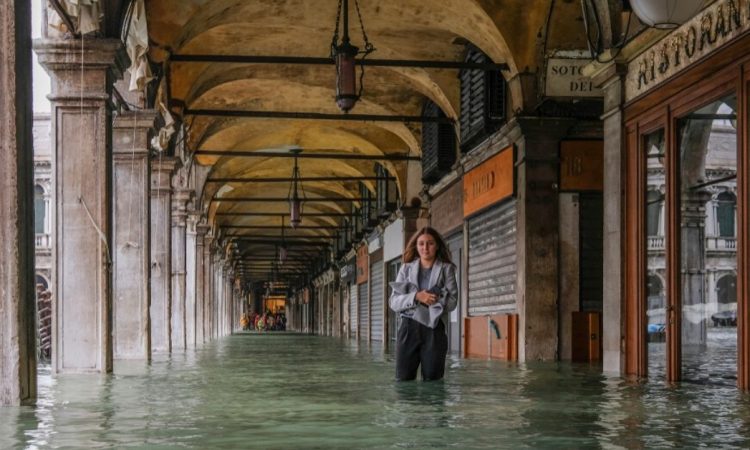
(364, 312)
(492, 261)
(455, 244)
(592, 252)
(353, 310)
(376, 301)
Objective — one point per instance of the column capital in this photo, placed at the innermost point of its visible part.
(97, 58)
(161, 174)
(130, 133)
(180, 197)
(202, 229)
(693, 208)
(193, 217)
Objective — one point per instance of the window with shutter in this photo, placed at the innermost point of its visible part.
(385, 192)
(438, 145)
(483, 101)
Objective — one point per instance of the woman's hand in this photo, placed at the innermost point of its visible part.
(426, 297)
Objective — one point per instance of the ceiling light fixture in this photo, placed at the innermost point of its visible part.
(344, 55)
(665, 14)
(283, 253)
(295, 201)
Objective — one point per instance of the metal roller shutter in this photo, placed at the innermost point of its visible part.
(376, 301)
(492, 261)
(353, 310)
(364, 312)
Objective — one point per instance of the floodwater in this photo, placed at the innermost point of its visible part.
(282, 391)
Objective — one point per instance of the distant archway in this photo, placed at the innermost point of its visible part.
(41, 282)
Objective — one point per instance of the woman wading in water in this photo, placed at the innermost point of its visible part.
(424, 294)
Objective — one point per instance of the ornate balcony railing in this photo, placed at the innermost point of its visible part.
(713, 243)
(656, 242)
(43, 241)
(721, 243)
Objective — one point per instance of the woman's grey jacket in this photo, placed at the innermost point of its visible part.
(442, 280)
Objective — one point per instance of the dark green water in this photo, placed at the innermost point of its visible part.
(290, 391)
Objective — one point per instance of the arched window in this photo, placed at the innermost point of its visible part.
(40, 210)
(726, 204)
(41, 282)
(726, 289)
(654, 200)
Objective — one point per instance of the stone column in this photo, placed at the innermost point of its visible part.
(161, 248)
(200, 284)
(610, 79)
(207, 289)
(227, 301)
(538, 239)
(179, 223)
(131, 230)
(693, 266)
(82, 74)
(218, 300)
(191, 279)
(17, 293)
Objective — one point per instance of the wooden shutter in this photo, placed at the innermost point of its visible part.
(483, 101)
(438, 145)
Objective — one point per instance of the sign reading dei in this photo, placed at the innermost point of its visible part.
(565, 79)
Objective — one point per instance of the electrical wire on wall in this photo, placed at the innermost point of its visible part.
(596, 43)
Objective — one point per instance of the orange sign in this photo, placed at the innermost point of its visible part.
(489, 182)
(581, 165)
(363, 264)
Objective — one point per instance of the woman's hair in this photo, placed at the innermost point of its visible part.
(411, 253)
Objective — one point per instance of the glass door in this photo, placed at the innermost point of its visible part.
(656, 297)
(707, 144)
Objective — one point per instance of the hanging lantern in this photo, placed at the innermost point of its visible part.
(295, 202)
(282, 249)
(283, 253)
(295, 211)
(346, 76)
(344, 56)
(665, 14)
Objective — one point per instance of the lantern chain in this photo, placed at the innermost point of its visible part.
(369, 48)
(335, 40)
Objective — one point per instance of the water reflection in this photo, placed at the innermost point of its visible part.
(288, 391)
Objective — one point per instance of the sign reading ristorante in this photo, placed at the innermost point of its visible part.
(703, 34)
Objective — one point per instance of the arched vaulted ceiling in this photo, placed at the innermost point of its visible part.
(510, 32)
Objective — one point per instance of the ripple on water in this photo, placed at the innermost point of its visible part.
(293, 391)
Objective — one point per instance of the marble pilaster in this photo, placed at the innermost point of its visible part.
(200, 283)
(180, 197)
(191, 279)
(82, 73)
(610, 79)
(131, 231)
(161, 252)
